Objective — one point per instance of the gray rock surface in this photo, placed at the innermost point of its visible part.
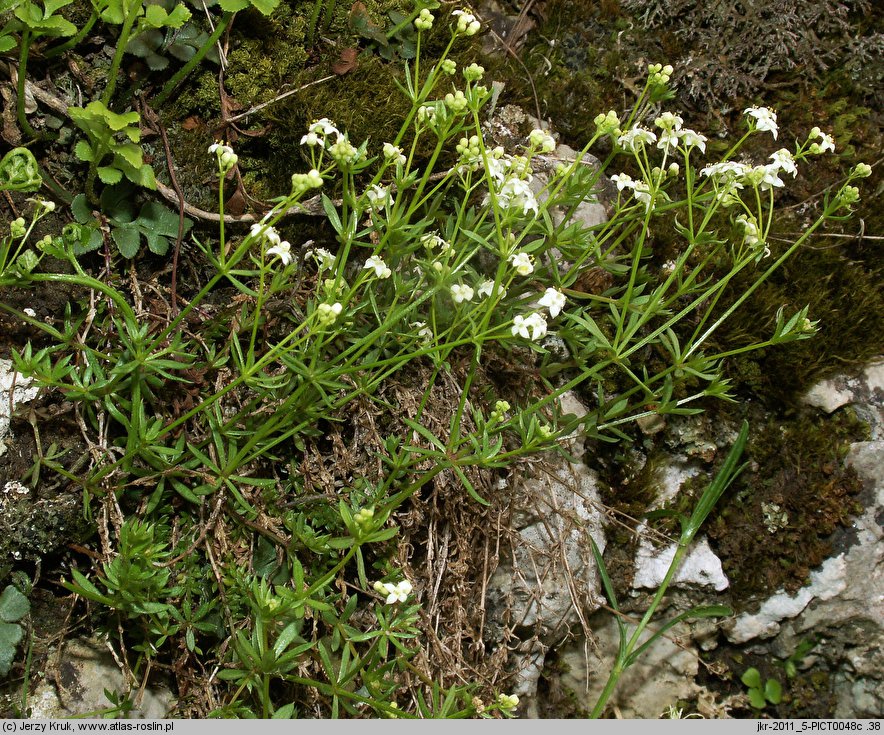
(14, 389)
(844, 603)
(84, 669)
(549, 583)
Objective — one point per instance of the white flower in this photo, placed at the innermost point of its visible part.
(554, 300)
(378, 196)
(531, 327)
(542, 140)
(423, 331)
(692, 139)
(522, 263)
(324, 127)
(324, 259)
(485, 288)
(765, 119)
(623, 181)
(394, 592)
(751, 235)
(669, 138)
(226, 157)
(642, 192)
(377, 264)
(327, 313)
(310, 139)
(394, 154)
(460, 292)
(635, 139)
(827, 142)
(283, 251)
(220, 148)
(432, 240)
(261, 231)
(448, 66)
(467, 22)
(767, 177)
(517, 193)
(783, 158)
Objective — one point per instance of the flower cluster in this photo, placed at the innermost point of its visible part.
(607, 123)
(364, 517)
(424, 20)
(226, 157)
(826, 142)
(729, 176)
(554, 300)
(395, 592)
(763, 119)
(320, 133)
(394, 154)
(507, 701)
(377, 264)
(659, 75)
(542, 141)
(467, 23)
(510, 175)
(327, 314)
(640, 189)
(531, 327)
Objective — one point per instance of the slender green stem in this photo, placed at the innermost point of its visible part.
(73, 40)
(122, 42)
(182, 73)
(20, 87)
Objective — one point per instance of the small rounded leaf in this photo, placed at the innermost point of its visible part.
(13, 605)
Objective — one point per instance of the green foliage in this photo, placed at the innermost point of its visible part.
(790, 664)
(13, 607)
(629, 649)
(265, 7)
(103, 129)
(154, 224)
(760, 692)
(19, 171)
(155, 46)
(148, 14)
(397, 39)
(248, 544)
(44, 21)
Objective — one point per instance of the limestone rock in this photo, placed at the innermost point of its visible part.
(85, 669)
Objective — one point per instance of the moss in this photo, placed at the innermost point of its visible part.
(795, 465)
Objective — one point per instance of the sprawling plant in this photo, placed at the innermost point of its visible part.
(429, 265)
